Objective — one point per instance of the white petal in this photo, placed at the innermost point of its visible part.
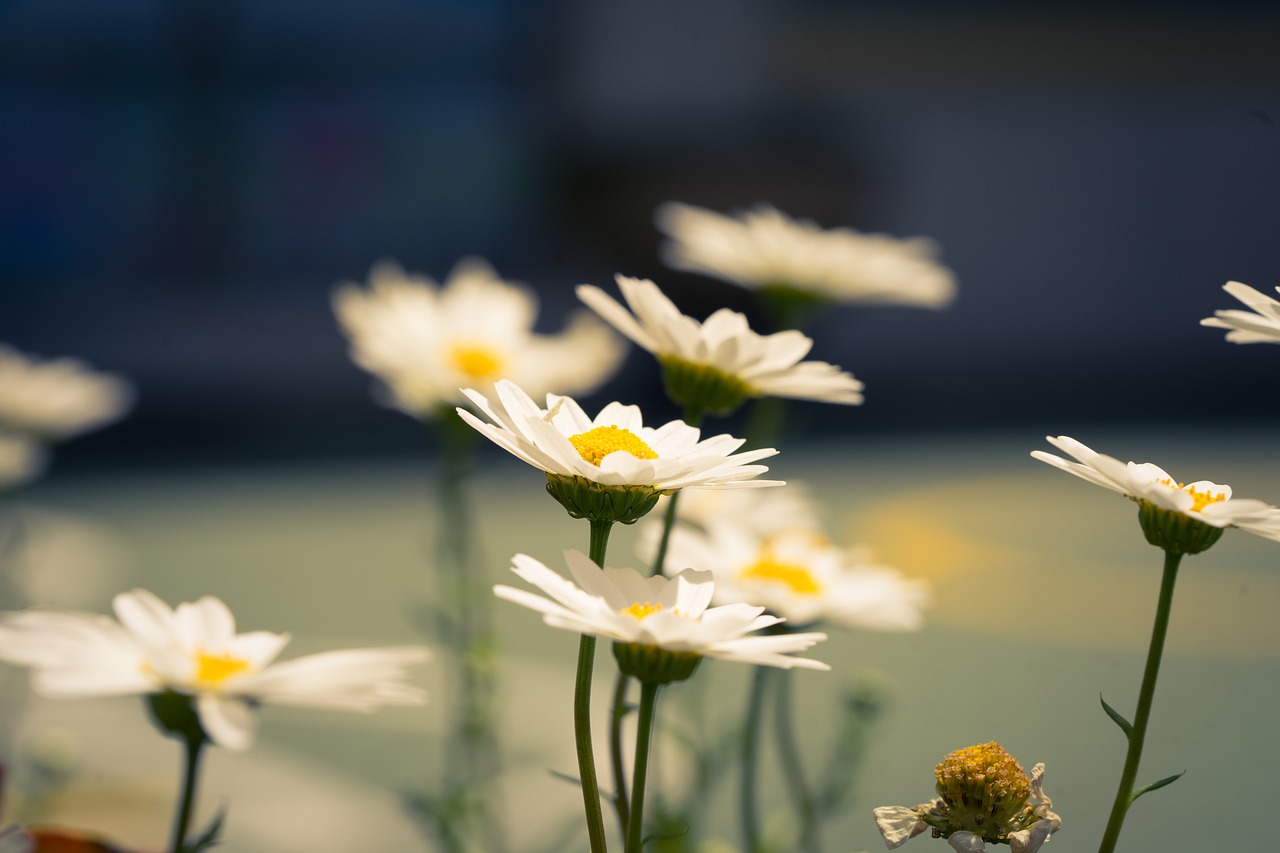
(228, 721)
(967, 842)
(898, 824)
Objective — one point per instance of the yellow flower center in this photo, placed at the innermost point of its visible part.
(797, 577)
(215, 669)
(595, 444)
(476, 361)
(983, 775)
(1202, 499)
(641, 610)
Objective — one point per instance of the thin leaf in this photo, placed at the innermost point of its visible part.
(1146, 789)
(210, 836)
(1116, 717)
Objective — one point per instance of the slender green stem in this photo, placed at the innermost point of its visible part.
(668, 523)
(620, 804)
(644, 732)
(582, 707)
(792, 767)
(1124, 794)
(191, 772)
(750, 761)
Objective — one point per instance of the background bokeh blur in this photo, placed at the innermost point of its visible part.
(182, 184)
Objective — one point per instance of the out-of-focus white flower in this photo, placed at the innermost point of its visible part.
(21, 459)
(614, 448)
(764, 248)
(765, 511)
(627, 607)
(985, 797)
(425, 342)
(800, 575)
(1259, 325)
(194, 650)
(57, 398)
(743, 363)
(1163, 501)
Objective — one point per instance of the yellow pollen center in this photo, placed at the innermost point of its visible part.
(797, 577)
(641, 609)
(1201, 499)
(595, 444)
(215, 669)
(982, 773)
(476, 361)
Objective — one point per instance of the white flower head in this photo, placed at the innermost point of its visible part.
(985, 797)
(194, 650)
(750, 364)
(424, 342)
(622, 605)
(57, 398)
(1203, 501)
(765, 511)
(614, 448)
(1259, 325)
(800, 575)
(764, 248)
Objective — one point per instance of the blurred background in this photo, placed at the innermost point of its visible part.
(183, 183)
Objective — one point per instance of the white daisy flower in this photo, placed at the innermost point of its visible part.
(57, 398)
(1165, 505)
(745, 363)
(801, 576)
(425, 342)
(671, 614)
(985, 797)
(613, 451)
(1259, 325)
(195, 651)
(765, 511)
(21, 459)
(764, 248)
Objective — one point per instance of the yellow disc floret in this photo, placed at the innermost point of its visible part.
(984, 789)
(793, 575)
(476, 361)
(215, 669)
(641, 609)
(1202, 499)
(595, 444)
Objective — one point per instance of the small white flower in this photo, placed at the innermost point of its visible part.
(622, 605)
(195, 650)
(1259, 325)
(1202, 501)
(801, 576)
(57, 398)
(764, 248)
(614, 448)
(21, 459)
(767, 365)
(425, 342)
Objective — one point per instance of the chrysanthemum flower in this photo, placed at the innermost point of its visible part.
(764, 249)
(645, 614)
(1180, 518)
(195, 651)
(984, 797)
(611, 463)
(800, 575)
(58, 398)
(1259, 325)
(425, 342)
(717, 364)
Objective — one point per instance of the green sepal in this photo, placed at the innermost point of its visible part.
(1116, 717)
(174, 714)
(1155, 786)
(210, 837)
(703, 388)
(583, 498)
(1175, 532)
(654, 664)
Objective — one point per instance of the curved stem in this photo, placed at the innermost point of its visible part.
(1124, 794)
(792, 768)
(620, 804)
(644, 732)
(750, 760)
(582, 708)
(191, 772)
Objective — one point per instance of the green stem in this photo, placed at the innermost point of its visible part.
(582, 707)
(191, 771)
(615, 748)
(792, 768)
(750, 761)
(644, 732)
(1124, 794)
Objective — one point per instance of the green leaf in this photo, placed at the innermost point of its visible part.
(1146, 789)
(1116, 717)
(210, 836)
